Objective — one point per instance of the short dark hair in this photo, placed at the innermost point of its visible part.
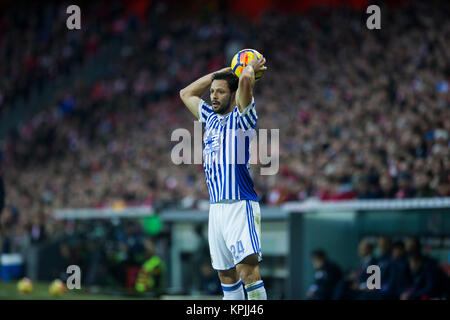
(416, 257)
(318, 254)
(230, 78)
(398, 245)
(369, 245)
(417, 244)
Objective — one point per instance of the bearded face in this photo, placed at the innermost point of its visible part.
(221, 97)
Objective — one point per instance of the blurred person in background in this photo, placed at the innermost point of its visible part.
(2, 204)
(405, 186)
(443, 186)
(151, 277)
(414, 246)
(400, 266)
(327, 274)
(209, 281)
(9, 224)
(37, 229)
(2, 197)
(119, 259)
(384, 261)
(67, 256)
(356, 281)
(422, 185)
(387, 185)
(427, 279)
(198, 259)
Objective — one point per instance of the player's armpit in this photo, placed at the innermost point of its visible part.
(246, 109)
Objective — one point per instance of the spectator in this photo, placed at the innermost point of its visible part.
(425, 279)
(387, 185)
(356, 281)
(201, 256)
(2, 204)
(400, 266)
(405, 186)
(67, 257)
(151, 277)
(326, 276)
(37, 230)
(209, 281)
(413, 246)
(385, 263)
(422, 182)
(2, 196)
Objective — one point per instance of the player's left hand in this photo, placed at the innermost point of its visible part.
(258, 64)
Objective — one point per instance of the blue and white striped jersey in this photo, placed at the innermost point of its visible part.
(226, 152)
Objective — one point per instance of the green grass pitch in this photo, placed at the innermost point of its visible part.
(8, 291)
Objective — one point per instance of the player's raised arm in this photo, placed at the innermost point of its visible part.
(244, 92)
(191, 95)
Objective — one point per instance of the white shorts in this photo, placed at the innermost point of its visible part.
(234, 232)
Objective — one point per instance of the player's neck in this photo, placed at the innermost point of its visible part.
(224, 114)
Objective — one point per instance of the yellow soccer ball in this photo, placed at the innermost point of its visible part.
(56, 288)
(25, 285)
(241, 60)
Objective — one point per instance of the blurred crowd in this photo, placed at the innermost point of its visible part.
(35, 47)
(405, 272)
(362, 114)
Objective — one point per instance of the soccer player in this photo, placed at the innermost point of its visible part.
(234, 214)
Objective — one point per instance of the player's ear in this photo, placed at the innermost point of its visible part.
(233, 97)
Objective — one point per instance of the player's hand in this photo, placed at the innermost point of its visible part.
(258, 64)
